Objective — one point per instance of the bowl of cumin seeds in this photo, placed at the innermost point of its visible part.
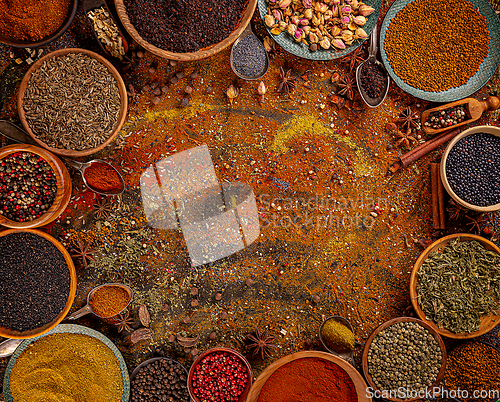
(72, 102)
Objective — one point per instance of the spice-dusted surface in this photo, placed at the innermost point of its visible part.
(338, 236)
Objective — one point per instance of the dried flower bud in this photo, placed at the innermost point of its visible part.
(346, 35)
(303, 21)
(278, 15)
(313, 38)
(307, 3)
(269, 20)
(338, 43)
(316, 20)
(328, 15)
(361, 34)
(282, 25)
(335, 31)
(262, 88)
(335, 77)
(354, 4)
(295, 19)
(231, 93)
(321, 7)
(268, 44)
(365, 10)
(291, 28)
(284, 3)
(325, 43)
(345, 10)
(298, 35)
(308, 13)
(345, 20)
(359, 20)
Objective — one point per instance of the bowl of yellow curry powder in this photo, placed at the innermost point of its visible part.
(69, 363)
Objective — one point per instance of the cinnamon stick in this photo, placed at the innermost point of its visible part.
(436, 222)
(423, 149)
(442, 216)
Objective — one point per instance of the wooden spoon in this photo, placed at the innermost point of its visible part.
(473, 107)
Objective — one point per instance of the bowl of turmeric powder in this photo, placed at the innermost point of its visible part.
(30, 24)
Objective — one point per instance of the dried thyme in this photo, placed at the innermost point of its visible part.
(460, 285)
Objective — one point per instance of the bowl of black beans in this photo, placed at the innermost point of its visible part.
(159, 379)
(470, 168)
(35, 187)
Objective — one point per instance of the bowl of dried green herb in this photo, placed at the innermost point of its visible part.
(455, 286)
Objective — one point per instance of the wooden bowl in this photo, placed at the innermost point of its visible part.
(478, 129)
(63, 187)
(9, 333)
(123, 107)
(487, 323)
(388, 324)
(356, 378)
(199, 54)
(213, 350)
(44, 41)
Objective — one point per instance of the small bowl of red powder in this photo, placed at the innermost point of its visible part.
(220, 375)
(35, 23)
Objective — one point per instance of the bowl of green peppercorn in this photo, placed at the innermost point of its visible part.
(402, 359)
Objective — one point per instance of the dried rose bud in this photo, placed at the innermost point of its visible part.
(261, 89)
(231, 93)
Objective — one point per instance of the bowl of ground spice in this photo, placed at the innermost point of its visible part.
(454, 286)
(72, 102)
(38, 283)
(309, 376)
(470, 168)
(473, 373)
(185, 30)
(70, 363)
(34, 23)
(420, 48)
(35, 187)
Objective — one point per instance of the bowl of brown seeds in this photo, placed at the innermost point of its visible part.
(72, 102)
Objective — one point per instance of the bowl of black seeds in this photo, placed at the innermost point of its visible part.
(470, 168)
(38, 283)
(35, 187)
(159, 379)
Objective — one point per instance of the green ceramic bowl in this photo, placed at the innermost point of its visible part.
(301, 50)
(476, 82)
(73, 329)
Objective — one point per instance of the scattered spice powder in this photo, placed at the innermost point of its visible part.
(32, 20)
(435, 45)
(102, 177)
(473, 366)
(108, 301)
(309, 379)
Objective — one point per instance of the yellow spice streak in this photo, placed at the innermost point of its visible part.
(67, 368)
(298, 125)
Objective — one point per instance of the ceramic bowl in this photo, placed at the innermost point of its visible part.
(478, 129)
(9, 333)
(388, 324)
(487, 323)
(123, 107)
(63, 194)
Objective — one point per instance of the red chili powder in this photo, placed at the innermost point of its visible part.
(310, 379)
(102, 177)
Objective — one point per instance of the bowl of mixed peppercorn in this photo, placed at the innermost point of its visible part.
(220, 375)
(470, 169)
(35, 187)
(185, 30)
(29, 24)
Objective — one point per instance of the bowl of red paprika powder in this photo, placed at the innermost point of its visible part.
(35, 23)
(221, 374)
(309, 376)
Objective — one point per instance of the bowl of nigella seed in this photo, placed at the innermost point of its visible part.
(38, 283)
(470, 168)
(185, 30)
(72, 102)
(159, 379)
(35, 187)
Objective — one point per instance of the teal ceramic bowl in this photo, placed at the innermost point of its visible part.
(476, 82)
(72, 329)
(301, 50)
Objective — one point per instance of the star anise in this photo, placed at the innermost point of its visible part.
(455, 209)
(84, 252)
(475, 223)
(261, 343)
(347, 87)
(409, 119)
(102, 208)
(353, 59)
(287, 81)
(124, 321)
(405, 139)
